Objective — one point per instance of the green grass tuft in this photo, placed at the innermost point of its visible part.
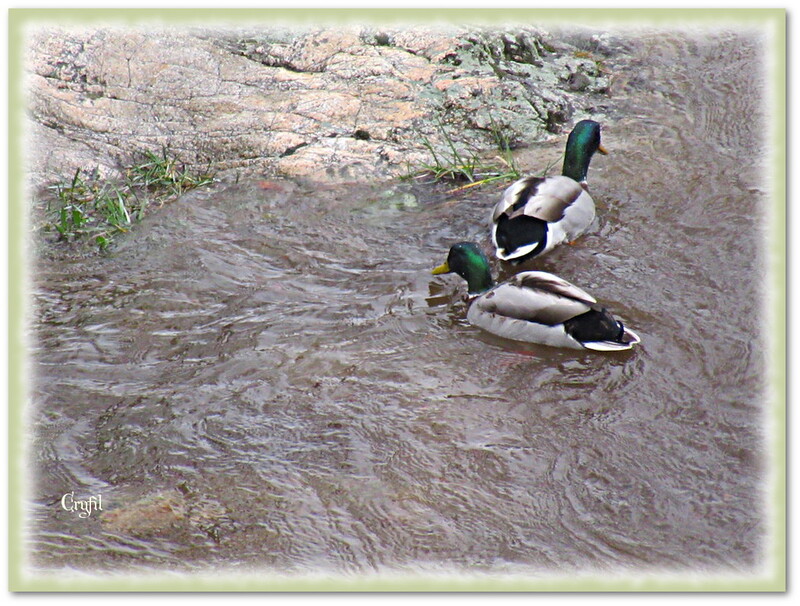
(163, 175)
(450, 163)
(87, 208)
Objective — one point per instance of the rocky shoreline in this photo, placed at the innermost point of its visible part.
(336, 104)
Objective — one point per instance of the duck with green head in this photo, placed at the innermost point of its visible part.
(536, 214)
(534, 306)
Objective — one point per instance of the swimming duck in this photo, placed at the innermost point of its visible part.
(536, 214)
(534, 306)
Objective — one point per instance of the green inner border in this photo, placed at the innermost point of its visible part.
(771, 21)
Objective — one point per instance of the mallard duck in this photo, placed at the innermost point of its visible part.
(534, 306)
(536, 214)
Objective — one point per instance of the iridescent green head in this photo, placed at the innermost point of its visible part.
(583, 141)
(469, 262)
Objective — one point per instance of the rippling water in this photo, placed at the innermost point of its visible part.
(266, 375)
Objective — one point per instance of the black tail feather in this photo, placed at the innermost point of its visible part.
(595, 325)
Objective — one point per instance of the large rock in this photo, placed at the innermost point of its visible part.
(346, 103)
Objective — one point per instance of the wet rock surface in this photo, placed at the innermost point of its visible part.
(333, 104)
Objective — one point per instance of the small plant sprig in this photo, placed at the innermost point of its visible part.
(88, 207)
(162, 175)
(451, 164)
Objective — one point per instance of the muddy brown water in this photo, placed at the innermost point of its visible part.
(266, 376)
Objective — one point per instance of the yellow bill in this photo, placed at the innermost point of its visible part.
(444, 268)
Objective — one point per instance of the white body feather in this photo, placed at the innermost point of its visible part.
(567, 208)
(508, 310)
(521, 330)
